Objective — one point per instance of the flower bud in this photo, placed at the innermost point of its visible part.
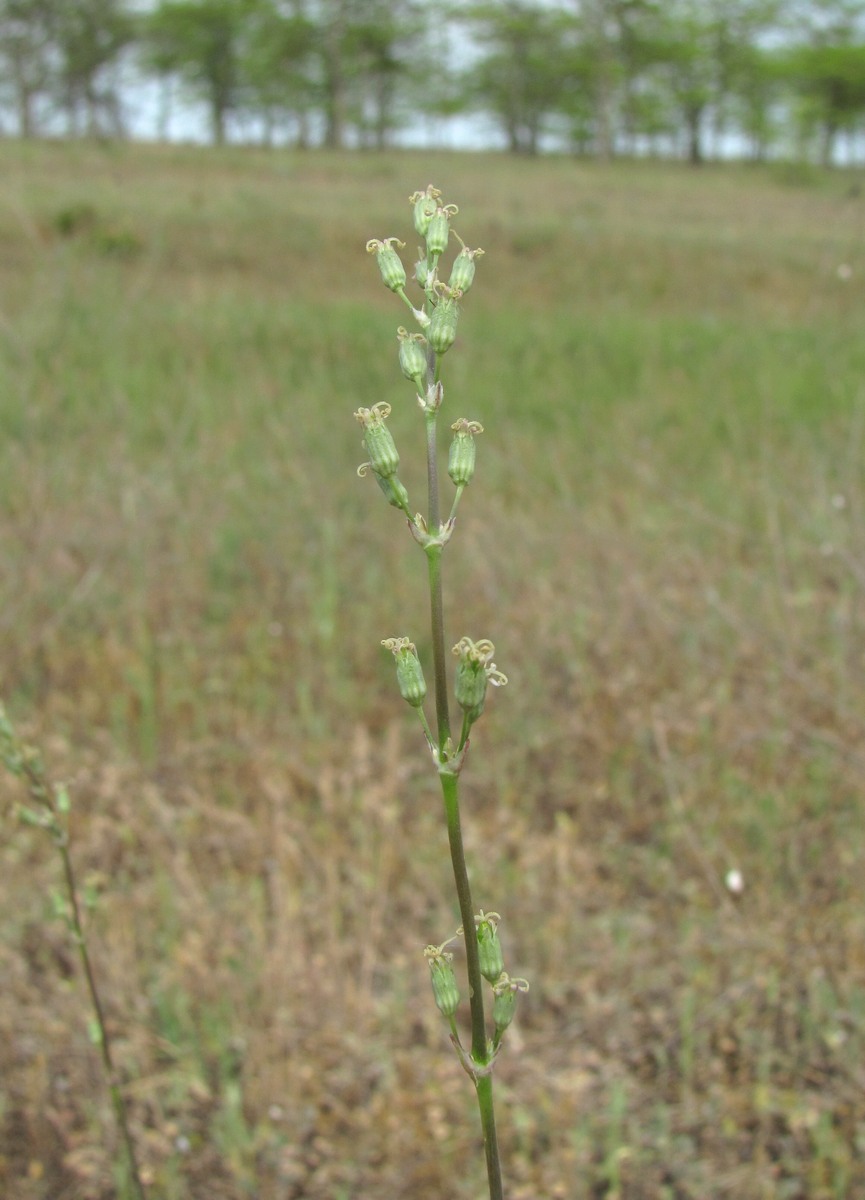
(394, 491)
(409, 672)
(463, 270)
(505, 1003)
(461, 459)
(377, 439)
(425, 204)
(504, 1007)
(471, 687)
(442, 330)
(389, 262)
(412, 357)
(475, 670)
(489, 947)
(444, 984)
(439, 229)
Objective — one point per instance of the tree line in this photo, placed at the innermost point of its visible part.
(596, 77)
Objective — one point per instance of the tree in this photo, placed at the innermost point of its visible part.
(25, 56)
(279, 67)
(830, 81)
(520, 79)
(89, 37)
(381, 45)
(824, 69)
(365, 55)
(203, 42)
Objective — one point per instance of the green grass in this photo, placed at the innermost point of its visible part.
(665, 540)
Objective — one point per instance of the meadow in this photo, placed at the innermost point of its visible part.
(666, 541)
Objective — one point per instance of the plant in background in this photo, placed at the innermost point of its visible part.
(49, 810)
(420, 359)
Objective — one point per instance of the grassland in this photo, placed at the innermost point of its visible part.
(666, 541)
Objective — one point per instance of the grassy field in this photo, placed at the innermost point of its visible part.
(665, 540)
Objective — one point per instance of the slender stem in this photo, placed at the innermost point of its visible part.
(491, 1141)
(428, 733)
(434, 558)
(432, 471)
(480, 1050)
(455, 505)
(434, 554)
(117, 1101)
(27, 766)
(450, 791)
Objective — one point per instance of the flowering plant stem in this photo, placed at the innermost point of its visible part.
(420, 359)
(450, 793)
(49, 811)
(483, 1083)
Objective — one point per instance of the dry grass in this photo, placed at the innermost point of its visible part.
(665, 541)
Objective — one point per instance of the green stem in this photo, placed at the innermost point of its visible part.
(455, 505)
(480, 1052)
(450, 792)
(491, 1141)
(117, 1101)
(26, 765)
(428, 733)
(432, 472)
(464, 734)
(434, 559)
(434, 556)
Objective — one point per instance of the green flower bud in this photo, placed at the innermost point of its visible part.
(461, 459)
(505, 991)
(425, 204)
(489, 947)
(463, 270)
(389, 262)
(439, 229)
(409, 672)
(475, 670)
(394, 492)
(442, 330)
(412, 357)
(377, 439)
(444, 984)
(504, 1008)
(471, 688)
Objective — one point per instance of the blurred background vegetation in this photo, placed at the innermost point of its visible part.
(677, 78)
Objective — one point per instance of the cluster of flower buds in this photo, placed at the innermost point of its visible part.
(438, 319)
(419, 351)
(504, 987)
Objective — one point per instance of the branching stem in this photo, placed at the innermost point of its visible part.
(480, 1051)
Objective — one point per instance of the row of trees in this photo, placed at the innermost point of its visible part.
(593, 76)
